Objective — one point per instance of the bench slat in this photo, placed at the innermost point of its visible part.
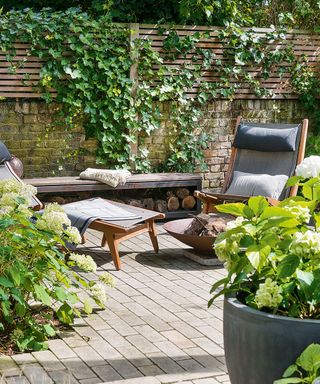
(150, 180)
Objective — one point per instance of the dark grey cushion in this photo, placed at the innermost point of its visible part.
(260, 138)
(4, 153)
(249, 184)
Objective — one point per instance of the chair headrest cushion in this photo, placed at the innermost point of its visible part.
(266, 139)
(4, 153)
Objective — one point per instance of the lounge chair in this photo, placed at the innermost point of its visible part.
(263, 157)
(116, 221)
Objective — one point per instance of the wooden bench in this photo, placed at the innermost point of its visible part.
(52, 185)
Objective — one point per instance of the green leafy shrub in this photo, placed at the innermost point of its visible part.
(271, 253)
(34, 273)
(305, 370)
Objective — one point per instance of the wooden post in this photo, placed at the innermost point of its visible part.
(134, 34)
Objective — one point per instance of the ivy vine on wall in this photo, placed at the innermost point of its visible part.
(88, 63)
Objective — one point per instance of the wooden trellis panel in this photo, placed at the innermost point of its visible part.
(20, 77)
(303, 43)
(21, 81)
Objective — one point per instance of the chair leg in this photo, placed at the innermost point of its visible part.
(104, 240)
(113, 247)
(153, 235)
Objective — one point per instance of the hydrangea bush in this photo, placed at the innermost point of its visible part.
(34, 272)
(272, 253)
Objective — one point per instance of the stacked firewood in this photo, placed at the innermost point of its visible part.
(208, 225)
(179, 198)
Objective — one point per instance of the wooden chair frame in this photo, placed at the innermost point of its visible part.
(209, 200)
(114, 234)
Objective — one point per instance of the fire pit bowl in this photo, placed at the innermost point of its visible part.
(176, 229)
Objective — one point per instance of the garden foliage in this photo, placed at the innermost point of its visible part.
(38, 286)
(305, 370)
(272, 253)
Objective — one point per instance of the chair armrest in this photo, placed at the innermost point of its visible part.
(212, 199)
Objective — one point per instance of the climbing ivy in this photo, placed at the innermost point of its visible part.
(88, 62)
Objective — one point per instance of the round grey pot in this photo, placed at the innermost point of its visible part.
(259, 346)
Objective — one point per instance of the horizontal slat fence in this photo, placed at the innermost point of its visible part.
(302, 42)
(21, 82)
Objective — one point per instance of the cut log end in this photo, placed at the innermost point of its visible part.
(188, 202)
(160, 206)
(173, 203)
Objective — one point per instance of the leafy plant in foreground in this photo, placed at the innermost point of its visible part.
(271, 253)
(305, 370)
(34, 273)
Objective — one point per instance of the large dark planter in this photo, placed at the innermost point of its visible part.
(259, 346)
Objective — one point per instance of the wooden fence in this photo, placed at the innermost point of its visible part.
(20, 82)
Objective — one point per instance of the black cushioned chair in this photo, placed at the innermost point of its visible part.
(263, 157)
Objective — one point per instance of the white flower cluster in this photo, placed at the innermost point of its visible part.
(107, 279)
(99, 293)
(234, 223)
(14, 194)
(73, 235)
(302, 214)
(223, 248)
(268, 294)
(306, 244)
(53, 219)
(309, 167)
(84, 262)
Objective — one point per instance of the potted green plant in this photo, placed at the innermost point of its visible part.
(305, 370)
(38, 285)
(272, 289)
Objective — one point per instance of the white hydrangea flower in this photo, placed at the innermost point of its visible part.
(53, 221)
(84, 262)
(268, 294)
(107, 279)
(99, 293)
(73, 235)
(24, 191)
(309, 167)
(15, 195)
(307, 243)
(223, 248)
(301, 213)
(8, 199)
(234, 223)
(54, 207)
(220, 249)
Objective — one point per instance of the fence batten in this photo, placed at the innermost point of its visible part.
(19, 77)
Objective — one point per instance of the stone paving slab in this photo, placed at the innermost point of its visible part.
(156, 327)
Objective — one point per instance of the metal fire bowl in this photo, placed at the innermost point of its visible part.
(200, 243)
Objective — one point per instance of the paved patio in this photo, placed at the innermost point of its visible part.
(156, 328)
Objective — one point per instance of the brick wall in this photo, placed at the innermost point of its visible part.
(219, 122)
(47, 149)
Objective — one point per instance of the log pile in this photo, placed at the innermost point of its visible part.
(208, 225)
(172, 200)
(175, 199)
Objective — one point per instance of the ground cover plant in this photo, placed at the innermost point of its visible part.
(38, 286)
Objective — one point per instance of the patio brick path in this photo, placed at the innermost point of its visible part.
(156, 328)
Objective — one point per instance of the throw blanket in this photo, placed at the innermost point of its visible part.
(83, 213)
(108, 176)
